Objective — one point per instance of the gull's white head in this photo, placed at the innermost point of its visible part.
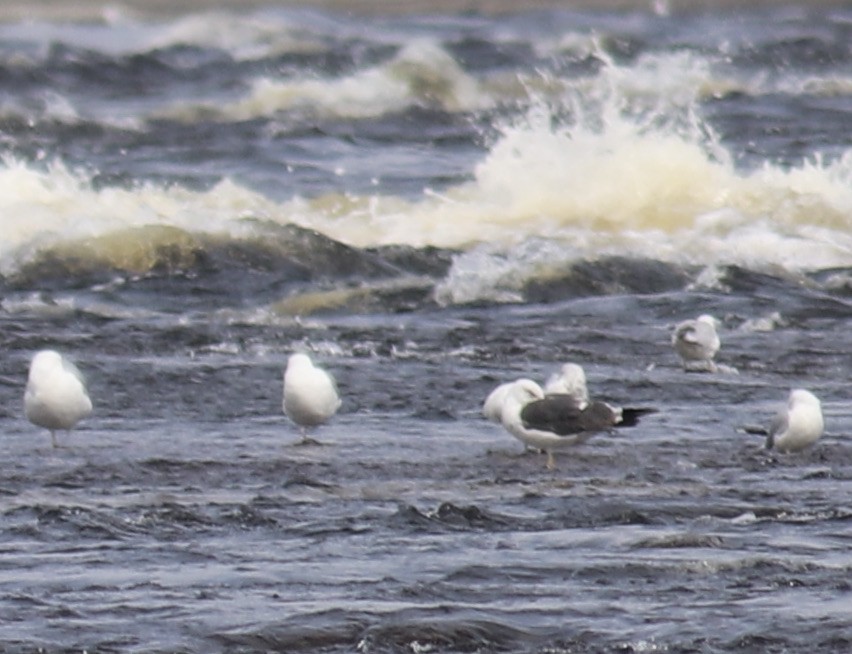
(45, 363)
(526, 390)
(492, 408)
(802, 397)
(519, 394)
(299, 360)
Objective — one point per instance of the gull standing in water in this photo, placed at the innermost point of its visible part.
(798, 425)
(310, 394)
(697, 342)
(556, 421)
(56, 396)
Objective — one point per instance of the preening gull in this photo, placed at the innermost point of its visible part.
(697, 342)
(56, 396)
(570, 380)
(798, 425)
(556, 421)
(310, 393)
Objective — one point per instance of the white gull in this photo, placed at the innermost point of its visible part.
(310, 394)
(55, 396)
(798, 425)
(696, 342)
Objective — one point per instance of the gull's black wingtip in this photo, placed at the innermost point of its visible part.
(757, 430)
(630, 415)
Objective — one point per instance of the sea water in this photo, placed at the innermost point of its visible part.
(430, 204)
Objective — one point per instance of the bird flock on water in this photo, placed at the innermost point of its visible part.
(558, 415)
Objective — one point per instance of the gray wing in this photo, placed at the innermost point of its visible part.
(778, 425)
(558, 413)
(563, 415)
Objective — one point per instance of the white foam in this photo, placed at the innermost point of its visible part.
(596, 175)
(421, 73)
(55, 205)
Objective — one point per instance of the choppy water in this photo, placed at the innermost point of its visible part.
(431, 205)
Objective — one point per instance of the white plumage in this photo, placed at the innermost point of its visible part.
(56, 396)
(518, 395)
(310, 393)
(798, 425)
(492, 408)
(570, 380)
(696, 342)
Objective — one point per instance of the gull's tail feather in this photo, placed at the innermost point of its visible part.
(757, 430)
(630, 416)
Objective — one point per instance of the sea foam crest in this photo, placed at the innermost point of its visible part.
(55, 206)
(422, 73)
(634, 179)
(600, 173)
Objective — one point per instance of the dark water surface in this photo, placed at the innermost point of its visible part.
(185, 516)
(430, 205)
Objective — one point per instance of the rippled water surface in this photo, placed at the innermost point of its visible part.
(430, 205)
